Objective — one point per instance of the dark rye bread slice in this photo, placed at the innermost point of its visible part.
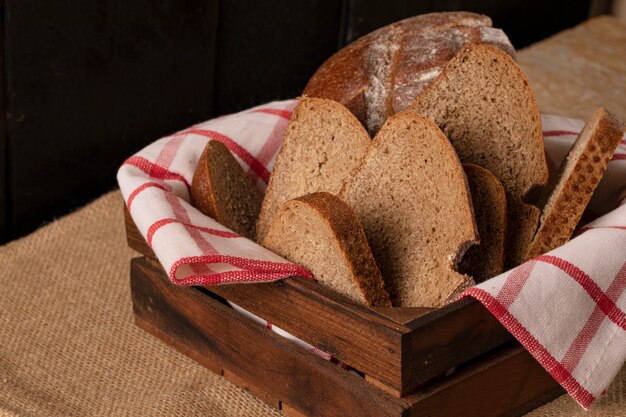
(483, 103)
(323, 234)
(579, 174)
(486, 260)
(412, 198)
(221, 190)
(323, 144)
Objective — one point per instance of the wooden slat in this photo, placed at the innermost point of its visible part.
(134, 239)
(259, 392)
(506, 382)
(213, 333)
(400, 348)
(368, 341)
(90, 83)
(289, 411)
(509, 382)
(360, 337)
(430, 344)
(402, 315)
(446, 337)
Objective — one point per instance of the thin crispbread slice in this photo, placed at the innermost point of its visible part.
(412, 198)
(578, 176)
(486, 260)
(323, 144)
(221, 190)
(323, 234)
(483, 103)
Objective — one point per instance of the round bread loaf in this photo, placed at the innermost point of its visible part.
(382, 72)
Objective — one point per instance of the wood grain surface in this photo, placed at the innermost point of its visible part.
(398, 348)
(504, 382)
(219, 338)
(577, 70)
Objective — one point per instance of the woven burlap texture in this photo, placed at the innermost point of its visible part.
(69, 346)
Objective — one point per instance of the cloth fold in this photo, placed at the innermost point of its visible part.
(566, 307)
(193, 248)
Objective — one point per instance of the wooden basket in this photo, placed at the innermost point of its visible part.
(453, 361)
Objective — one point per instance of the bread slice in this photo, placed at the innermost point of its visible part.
(576, 181)
(486, 260)
(323, 144)
(380, 73)
(221, 190)
(412, 198)
(483, 103)
(323, 234)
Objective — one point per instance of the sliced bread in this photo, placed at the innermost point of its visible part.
(323, 234)
(380, 73)
(576, 181)
(483, 103)
(323, 144)
(486, 260)
(221, 190)
(412, 198)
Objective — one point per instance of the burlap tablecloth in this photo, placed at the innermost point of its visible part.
(68, 343)
(69, 346)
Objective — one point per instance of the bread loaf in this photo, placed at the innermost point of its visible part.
(221, 190)
(579, 174)
(412, 198)
(323, 144)
(323, 234)
(380, 73)
(483, 103)
(486, 260)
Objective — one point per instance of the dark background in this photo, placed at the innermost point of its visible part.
(87, 83)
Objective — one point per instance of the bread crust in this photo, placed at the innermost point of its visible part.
(330, 81)
(380, 73)
(346, 231)
(408, 267)
(578, 177)
(230, 197)
(518, 176)
(279, 189)
(202, 191)
(486, 260)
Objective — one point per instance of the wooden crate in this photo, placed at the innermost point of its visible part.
(453, 361)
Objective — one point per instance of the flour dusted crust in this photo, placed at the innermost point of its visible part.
(380, 73)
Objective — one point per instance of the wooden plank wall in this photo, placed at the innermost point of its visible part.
(86, 84)
(524, 22)
(4, 232)
(268, 50)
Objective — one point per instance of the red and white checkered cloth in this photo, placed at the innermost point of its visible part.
(566, 307)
